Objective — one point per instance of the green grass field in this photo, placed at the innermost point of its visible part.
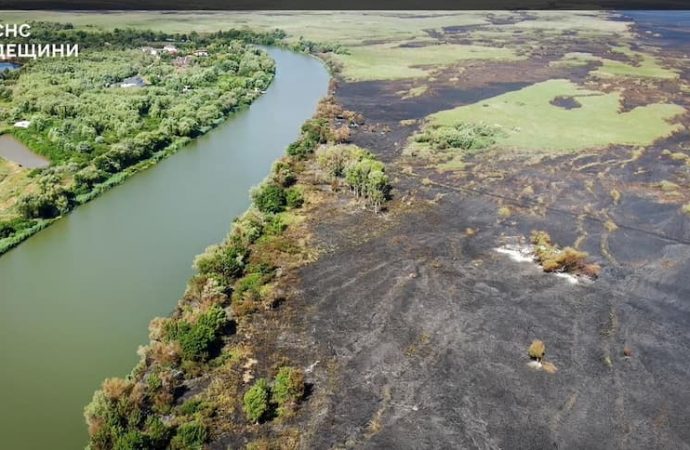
(390, 62)
(345, 27)
(530, 122)
(645, 66)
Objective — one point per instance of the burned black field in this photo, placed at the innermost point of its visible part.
(415, 329)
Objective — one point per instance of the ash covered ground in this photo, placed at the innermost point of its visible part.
(415, 331)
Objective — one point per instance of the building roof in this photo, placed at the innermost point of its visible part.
(135, 81)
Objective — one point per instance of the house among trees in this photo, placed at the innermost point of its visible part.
(171, 49)
(150, 50)
(201, 52)
(22, 124)
(135, 81)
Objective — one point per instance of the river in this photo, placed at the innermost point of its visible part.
(76, 299)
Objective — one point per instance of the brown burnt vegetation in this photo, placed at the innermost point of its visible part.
(555, 259)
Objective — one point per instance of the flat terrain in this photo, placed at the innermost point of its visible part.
(411, 328)
(416, 329)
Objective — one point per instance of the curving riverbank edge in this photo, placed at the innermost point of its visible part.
(178, 143)
(192, 382)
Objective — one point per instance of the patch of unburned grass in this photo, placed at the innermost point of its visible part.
(668, 186)
(530, 122)
(414, 92)
(345, 27)
(641, 66)
(14, 181)
(392, 62)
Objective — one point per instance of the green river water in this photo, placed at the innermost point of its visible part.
(76, 299)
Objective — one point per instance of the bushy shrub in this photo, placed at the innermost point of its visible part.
(294, 198)
(9, 227)
(227, 260)
(554, 259)
(536, 350)
(157, 432)
(90, 176)
(196, 339)
(269, 198)
(189, 436)
(463, 136)
(131, 440)
(274, 225)
(255, 401)
(288, 386)
(51, 201)
(248, 287)
(283, 174)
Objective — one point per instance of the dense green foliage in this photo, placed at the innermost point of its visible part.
(365, 176)
(255, 402)
(270, 198)
(463, 136)
(196, 339)
(288, 386)
(314, 132)
(96, 131)
(189, 436)
(10, 227)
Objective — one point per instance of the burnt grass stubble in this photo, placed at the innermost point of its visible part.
(416, 333)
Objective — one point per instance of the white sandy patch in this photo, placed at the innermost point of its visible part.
(524, 253)
(517, 253)
(572, 279)
(534, 365)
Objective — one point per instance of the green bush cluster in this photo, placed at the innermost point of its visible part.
(10, 227)
(116, 422)
(314, 132)
(272, 198)
(463, 136)
(263, 399)
(256, 400)
(51, 200)
(307, 46)
(189, 436)
(197, 339)
(365, 176)
(288, 386)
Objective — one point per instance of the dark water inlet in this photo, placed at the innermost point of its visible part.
(75, 300)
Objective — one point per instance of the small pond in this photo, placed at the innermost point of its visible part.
(13, 150)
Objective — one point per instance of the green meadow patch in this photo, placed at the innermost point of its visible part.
(392, 62)
(529, 121)
(641, 65)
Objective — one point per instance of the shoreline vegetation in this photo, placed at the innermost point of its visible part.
(197, 378)
(179, 99)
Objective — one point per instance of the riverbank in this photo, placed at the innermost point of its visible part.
(411, 329)
(408, 327)
(147, 232)
(94, 154)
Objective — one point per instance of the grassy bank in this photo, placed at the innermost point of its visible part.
(205, 372)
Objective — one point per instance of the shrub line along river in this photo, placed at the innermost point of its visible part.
(76, 299)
